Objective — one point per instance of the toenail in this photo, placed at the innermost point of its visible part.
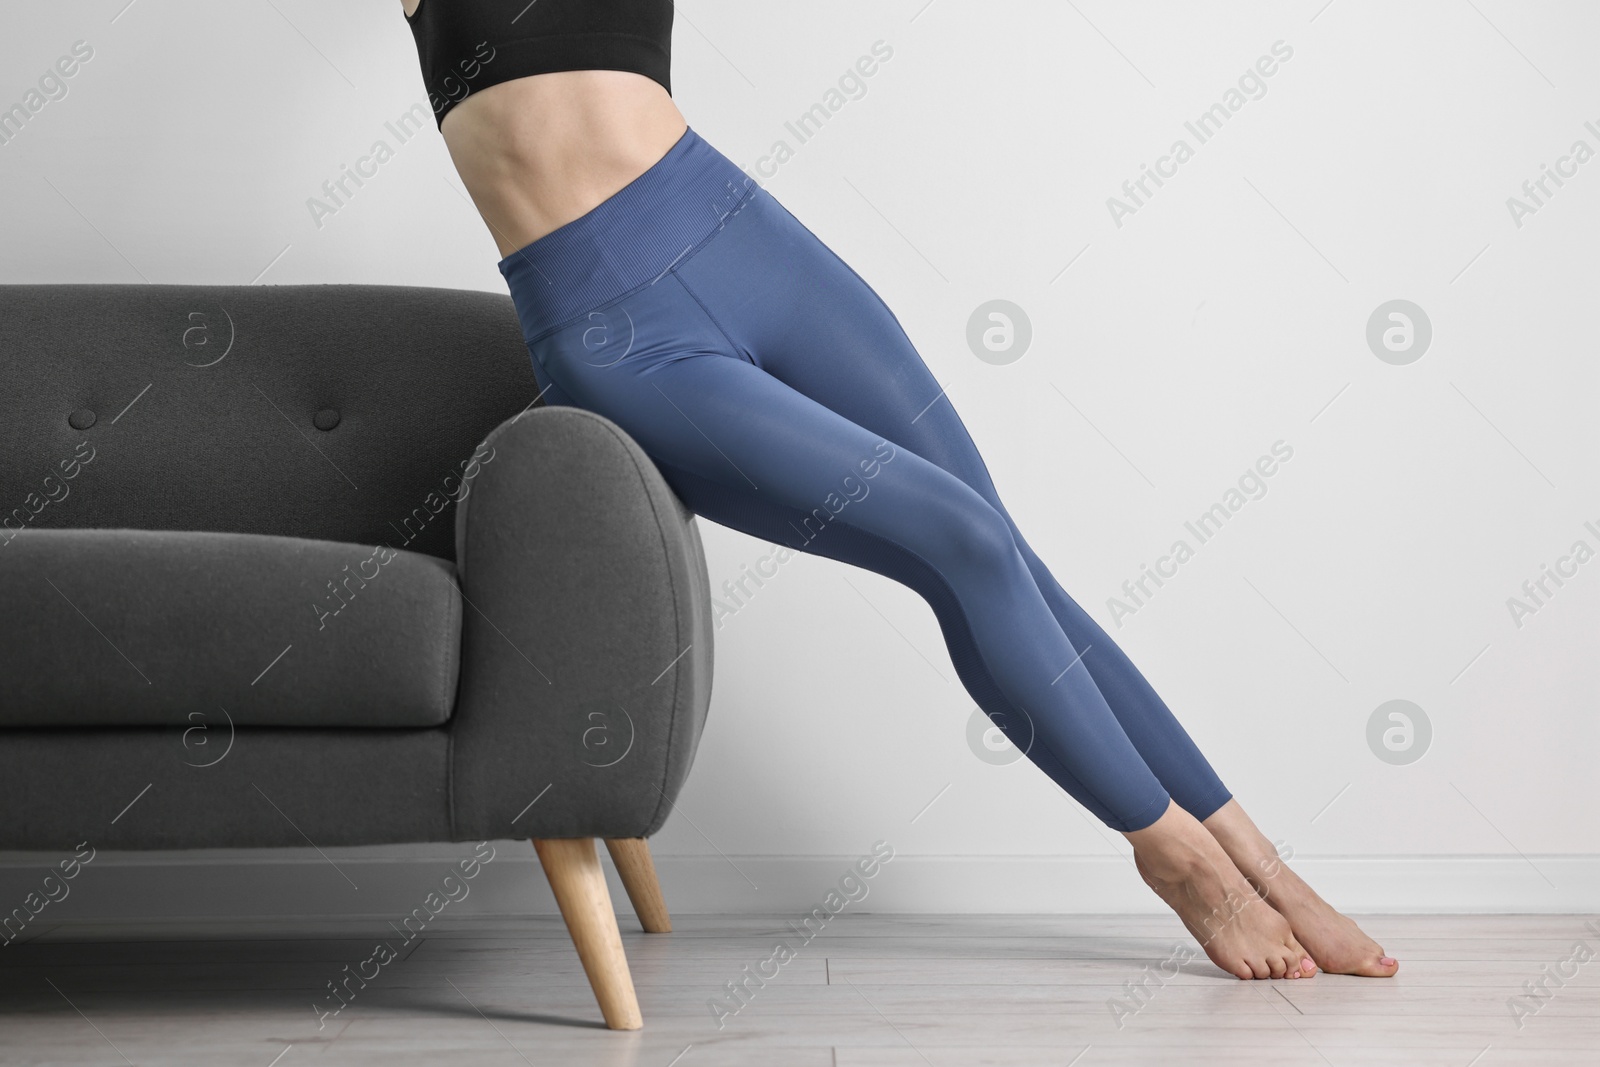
(1387, 961)
(1307, 964)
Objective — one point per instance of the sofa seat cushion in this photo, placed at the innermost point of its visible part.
(185, 629)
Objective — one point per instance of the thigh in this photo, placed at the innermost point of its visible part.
(656, 365)
(799, 312)
(803, 315)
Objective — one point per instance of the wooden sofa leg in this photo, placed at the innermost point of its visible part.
(632, 857)
(579, 884)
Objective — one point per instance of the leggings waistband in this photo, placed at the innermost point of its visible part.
(629, 240)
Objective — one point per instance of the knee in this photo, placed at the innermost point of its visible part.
(974, 536)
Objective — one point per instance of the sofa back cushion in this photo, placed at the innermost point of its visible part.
(338, 412)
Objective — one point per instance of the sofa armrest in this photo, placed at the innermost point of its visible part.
(586, 654)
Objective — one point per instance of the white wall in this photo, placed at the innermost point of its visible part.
(1227, 313)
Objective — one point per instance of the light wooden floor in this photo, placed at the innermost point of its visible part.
(869, 991)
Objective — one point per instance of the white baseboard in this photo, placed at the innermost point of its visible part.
(272, 884)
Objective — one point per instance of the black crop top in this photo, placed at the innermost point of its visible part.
(466, 45)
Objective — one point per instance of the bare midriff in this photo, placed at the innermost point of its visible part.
(537, 152)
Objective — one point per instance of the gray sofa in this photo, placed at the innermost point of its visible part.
(305, 564)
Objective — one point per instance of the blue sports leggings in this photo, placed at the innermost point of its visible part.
(778, 395)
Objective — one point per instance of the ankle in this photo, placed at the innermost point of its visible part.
(1240, 837)
(1252, 853)
(1173, 858)
(1179, 847)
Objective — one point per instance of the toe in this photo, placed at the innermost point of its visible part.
(1381, 967)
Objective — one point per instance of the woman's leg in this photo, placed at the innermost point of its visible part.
(858, 360)
(748, 451)
(824, 332)
(675, 371)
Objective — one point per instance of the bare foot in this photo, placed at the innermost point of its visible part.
(1337, 944)
(1189, 870)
